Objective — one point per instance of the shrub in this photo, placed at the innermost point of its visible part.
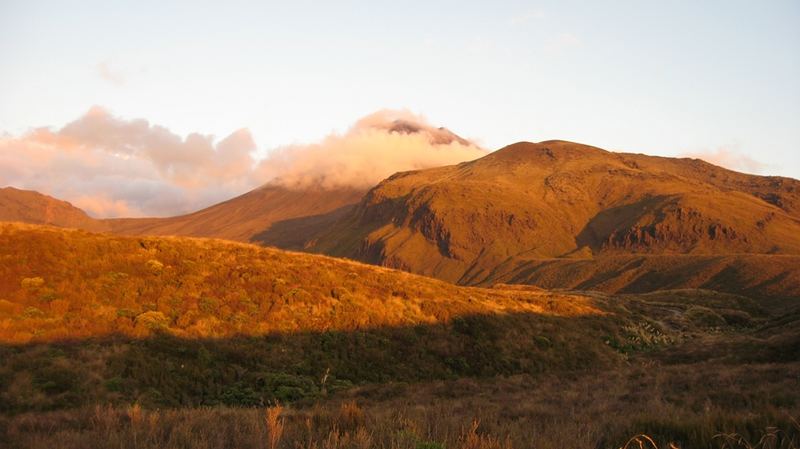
(208, 305)
(154, 266)
(32, 283)
(240, 394)
(152, 320)
(32, 312)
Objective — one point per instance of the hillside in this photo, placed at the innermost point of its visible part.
(754, 275)
(27, 206)
(528, 202)
(265, 214)
(71, 284)
(92, 323)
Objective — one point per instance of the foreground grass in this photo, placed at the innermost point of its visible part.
(347, 424)
(689, 406)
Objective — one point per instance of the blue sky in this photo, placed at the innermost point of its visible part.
(667, 78)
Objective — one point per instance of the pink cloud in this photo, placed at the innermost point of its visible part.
(114, 167)
(729, 159)
(101, 205)
(377, 146)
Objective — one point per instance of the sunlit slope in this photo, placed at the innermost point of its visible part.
(62, 284)
(556, 199)
(27, 206)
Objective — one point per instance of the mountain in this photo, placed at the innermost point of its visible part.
(28, 206)
(281, 213)
(531, 202)
(268, 215)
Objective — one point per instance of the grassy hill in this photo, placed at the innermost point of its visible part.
(179, 323)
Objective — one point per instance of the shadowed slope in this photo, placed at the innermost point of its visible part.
(560, 199)
(756, 275)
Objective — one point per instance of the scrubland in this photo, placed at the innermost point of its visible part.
(174, 342)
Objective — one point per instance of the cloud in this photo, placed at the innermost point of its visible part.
(101, 205)
(113, 167)
(375, 147)
(729, 159)
(105, 72)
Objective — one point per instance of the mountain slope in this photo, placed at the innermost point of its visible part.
(28, 206)
(259, 215)
(560, 199)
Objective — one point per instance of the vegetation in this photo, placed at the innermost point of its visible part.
(175, 342)
(595, 412)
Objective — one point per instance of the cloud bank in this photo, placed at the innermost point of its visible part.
(112, 167)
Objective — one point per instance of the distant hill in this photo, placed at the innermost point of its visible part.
(534, 201)
(268, 215)
(273, 215)
(28, 206)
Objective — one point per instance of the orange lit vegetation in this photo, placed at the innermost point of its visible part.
(165, 334)
(63, 284)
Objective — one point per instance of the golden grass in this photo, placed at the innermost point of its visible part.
(60, 284)
(274, 423)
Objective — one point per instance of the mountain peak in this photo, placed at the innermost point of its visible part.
(436, 136)
(547, 150)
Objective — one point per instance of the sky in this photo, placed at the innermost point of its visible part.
(718, 80)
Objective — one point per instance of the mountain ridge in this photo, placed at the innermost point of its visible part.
(560, 199)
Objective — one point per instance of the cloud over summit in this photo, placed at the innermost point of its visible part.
(114, 167)
(375, 147)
